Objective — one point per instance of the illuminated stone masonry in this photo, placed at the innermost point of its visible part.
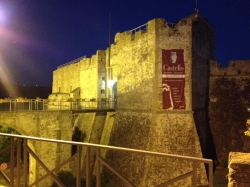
(160, 91)
(159, 75)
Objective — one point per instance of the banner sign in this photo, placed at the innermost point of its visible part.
(173, 79)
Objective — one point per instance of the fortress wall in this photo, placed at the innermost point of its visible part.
(178, 37)
(91, 76)
(235, 68)
(203, 47)
(102, 75)
(54, 125)
(88, 79)
(55, 81)
(86, 74)
(96, 129)
(175, 131)
(105, 136)
(135, 70)
(229, 100)
(135, 62)
(44, 125)
(114, 61)
(67, 78)
(131, 130)
(141, 122)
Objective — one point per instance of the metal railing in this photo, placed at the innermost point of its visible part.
(143, 27)
(99, 162)
(13, 105)
(44, 104)
(72, 62)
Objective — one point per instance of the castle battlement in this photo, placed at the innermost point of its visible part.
(235, 68)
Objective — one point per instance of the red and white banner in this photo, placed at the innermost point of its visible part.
(173, 79)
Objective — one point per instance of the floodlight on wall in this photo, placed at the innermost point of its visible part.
(111, 83)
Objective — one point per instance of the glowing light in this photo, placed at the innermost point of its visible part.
(5, 74)
(6, 79)
(2, 15)
(111, 83)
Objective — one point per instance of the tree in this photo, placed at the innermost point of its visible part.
(4, 142)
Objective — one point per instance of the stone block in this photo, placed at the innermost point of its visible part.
(239, 169)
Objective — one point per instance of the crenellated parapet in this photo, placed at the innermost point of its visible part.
(83, 73)
(235, 68)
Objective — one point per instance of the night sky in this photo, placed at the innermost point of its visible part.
(36, 36)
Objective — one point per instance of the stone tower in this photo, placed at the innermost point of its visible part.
(162, 75)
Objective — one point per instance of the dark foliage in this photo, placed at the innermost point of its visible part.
(77, 136)
(4, 142)
(69, 180)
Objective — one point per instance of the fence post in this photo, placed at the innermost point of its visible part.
(25, 162)
(12, 161)
(10, 105)
(98, 168)
(18, 157)
(87, 166)
(194, 179)
(78, 165)
(210, 177)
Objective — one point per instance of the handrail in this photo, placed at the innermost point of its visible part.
(143, 27)
(99, 160)
(44, 104)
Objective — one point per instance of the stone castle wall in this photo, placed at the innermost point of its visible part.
(96, 128)
(239, 169)
(85, 73)
(235, 68)
(228, 109)
(134, 61)
(53, 125)
(203, 50)
(140, 121)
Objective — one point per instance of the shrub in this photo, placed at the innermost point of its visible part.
(67, 178)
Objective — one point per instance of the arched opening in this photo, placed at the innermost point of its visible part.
(5, 156)
(4, 142)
